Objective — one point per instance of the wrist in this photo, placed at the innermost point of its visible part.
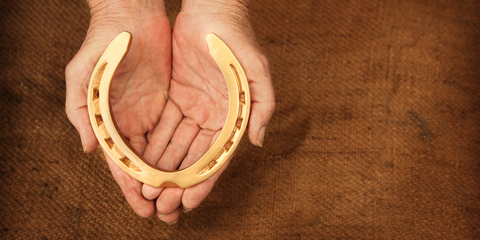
(215, 6)
(125, 9)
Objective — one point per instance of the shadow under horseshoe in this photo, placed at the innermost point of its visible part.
(246, 173)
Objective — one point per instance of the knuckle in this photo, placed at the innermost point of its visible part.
(263, 59)
(163, 209)
(69, 71)
(70, 113)
(270, 107)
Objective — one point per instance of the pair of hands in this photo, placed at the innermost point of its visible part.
(168, 96)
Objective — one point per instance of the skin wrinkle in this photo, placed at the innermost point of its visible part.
(218, 107)
(156, 144)
(177, 111)
(181, 146)
(200, 54)
(187, 110)
(208, 84)
(173, 101)
(86, 82)
(194, 71)
(81, 108)
(138, 101)
(126, 89)
(190, 86)
(122, 8)
(205, 80)
(153, 118)
(226, 8)
(221, 91)
(213, 129)
(134, 131)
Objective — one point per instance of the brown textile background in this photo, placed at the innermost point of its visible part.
(376, 134)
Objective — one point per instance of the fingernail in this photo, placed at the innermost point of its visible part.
(185, 210)
(261, 136)
(83, 145)
(170, 224)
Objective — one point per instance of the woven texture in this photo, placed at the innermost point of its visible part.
(376, 133)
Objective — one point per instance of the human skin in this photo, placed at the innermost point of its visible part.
(170, 132)
(140, 85)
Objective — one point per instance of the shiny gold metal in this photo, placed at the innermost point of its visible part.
(117, 147)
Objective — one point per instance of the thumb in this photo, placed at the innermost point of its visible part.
(77, 75)
(262, 98)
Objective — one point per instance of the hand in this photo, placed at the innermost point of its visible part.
(139, 88)
(198, 103)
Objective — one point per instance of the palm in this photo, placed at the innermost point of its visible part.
(138, 91)
(195, 113)
(138, 96)
(198, 102)
(197, 86)
(139, 88)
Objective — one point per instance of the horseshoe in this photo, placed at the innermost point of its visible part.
(119, 150)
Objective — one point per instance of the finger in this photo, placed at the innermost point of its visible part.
(138, 143)
(131, 189)
(200, 146)
(176, 150)
(170, 218)
(169, 200)
(193, 196)
(161, 135)
(261, 113)
(262, 98)
(178, 147)
(77, 76)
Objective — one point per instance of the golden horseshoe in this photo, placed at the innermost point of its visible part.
(118, 148)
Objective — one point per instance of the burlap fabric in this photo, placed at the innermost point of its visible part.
(376, 133)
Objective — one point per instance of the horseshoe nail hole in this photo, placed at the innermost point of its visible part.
(109, 142)
(242, 97)
(118, 154)
(212, 163)
(99, 120)
(130, 164)
(96, 106)
(208, 167)
(103, 131)
(239, 123)
(96, 94)
(228, 145)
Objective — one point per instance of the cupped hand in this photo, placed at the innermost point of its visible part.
(138, 92)
(198, 98)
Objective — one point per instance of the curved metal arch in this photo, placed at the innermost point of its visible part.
(117, 147)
